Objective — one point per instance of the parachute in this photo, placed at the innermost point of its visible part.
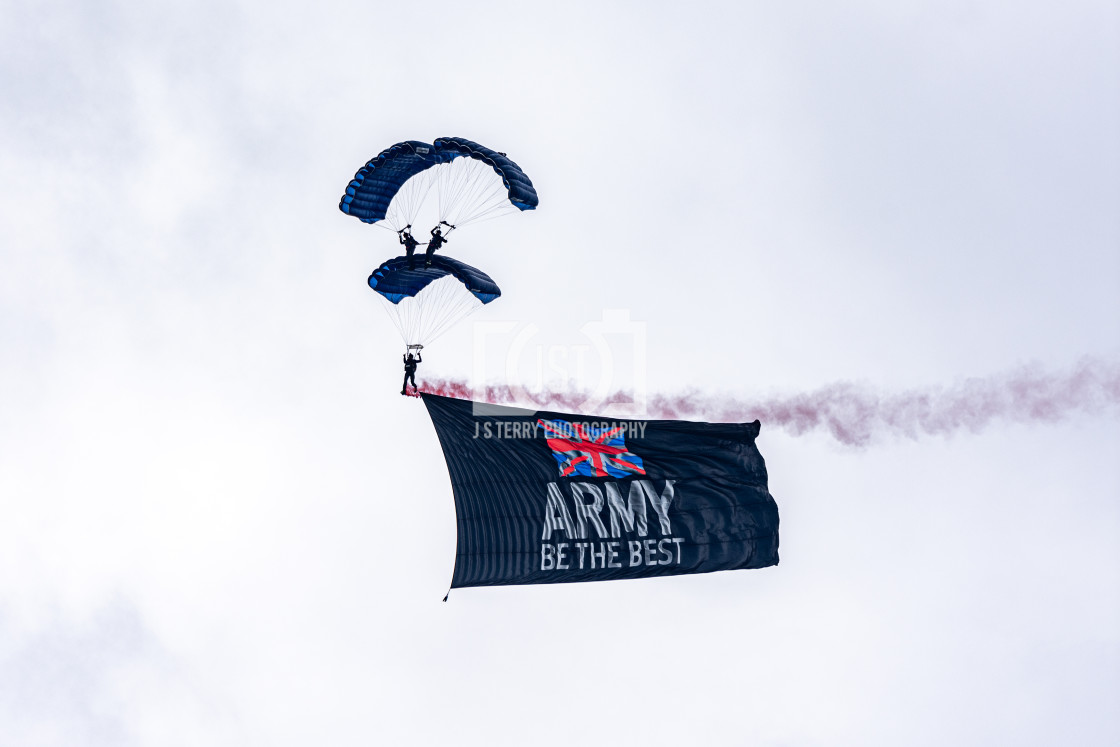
(470, 182)
(424, 301)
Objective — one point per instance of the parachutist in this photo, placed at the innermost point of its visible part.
(410, 244)
(438, 240)
(410, 370)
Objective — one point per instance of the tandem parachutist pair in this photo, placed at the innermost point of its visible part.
(410, 243)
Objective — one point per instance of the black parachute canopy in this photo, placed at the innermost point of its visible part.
(548, 497)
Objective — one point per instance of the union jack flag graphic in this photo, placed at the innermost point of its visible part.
(591, 452)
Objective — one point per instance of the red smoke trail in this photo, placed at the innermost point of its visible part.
(854, 414)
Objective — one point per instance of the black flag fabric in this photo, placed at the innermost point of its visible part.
(549, 497)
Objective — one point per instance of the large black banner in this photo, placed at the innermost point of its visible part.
(549, 497)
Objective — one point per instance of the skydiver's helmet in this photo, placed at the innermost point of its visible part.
(410, 357)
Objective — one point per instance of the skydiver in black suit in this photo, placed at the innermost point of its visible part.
(410, 371)
(438, 240)
(410, 244)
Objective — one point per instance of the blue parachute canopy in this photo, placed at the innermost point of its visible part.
(395, 281)
(371, 193)
(517, 184)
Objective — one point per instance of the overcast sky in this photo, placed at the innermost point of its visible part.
(221, 525)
